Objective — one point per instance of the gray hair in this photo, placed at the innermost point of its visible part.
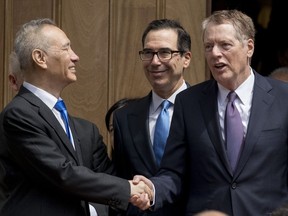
(280, 73)
(14, 65)
(242, 23)
(28, 38)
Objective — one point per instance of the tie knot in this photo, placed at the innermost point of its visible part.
(231, 96)
(60, 105)
(165, 104)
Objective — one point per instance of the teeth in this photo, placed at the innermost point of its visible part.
(219, 65)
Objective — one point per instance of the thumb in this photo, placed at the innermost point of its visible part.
(136, 179)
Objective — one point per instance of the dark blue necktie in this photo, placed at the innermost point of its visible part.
(60, 106)
(161, 131)
(234, 130)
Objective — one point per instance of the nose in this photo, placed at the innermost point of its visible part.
(155, 59)
(74, 57)
(216, 50)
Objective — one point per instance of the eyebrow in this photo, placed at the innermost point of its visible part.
(66, 44)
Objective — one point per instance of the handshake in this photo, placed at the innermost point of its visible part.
(142, 192)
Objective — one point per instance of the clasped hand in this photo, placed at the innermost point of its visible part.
(141, 192)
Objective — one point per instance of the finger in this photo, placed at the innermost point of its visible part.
(136, 179)
(149, 192)
(147, 203)
(143, 202)
(134, 199)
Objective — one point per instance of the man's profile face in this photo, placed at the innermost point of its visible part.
(60, 58)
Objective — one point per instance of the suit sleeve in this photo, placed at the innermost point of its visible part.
(40, 154)
(119, 157)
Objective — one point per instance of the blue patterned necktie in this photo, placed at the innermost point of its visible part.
(234, 130)
(60, 106)
(161, 131)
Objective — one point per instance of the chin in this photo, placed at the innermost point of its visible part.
(72, 80)
(73, 77)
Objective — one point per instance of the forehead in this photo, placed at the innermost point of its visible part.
(55, 35)
(223, 31)
(161, 39)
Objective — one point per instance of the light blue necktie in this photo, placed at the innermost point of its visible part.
(161, 131)
(60, 106)
(234, 130)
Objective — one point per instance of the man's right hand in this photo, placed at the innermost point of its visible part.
(141, 192)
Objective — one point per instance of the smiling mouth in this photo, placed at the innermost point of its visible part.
(154, 71)
(72, 68)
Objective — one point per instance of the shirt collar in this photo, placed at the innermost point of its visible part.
(43, 95)
(244, 91)
(157, 100)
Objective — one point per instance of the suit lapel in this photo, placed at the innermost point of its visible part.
(210, 114)
(261, 102)
(138, 122)
(76, 140)
(49, 117)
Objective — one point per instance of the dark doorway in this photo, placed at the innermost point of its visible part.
(271, 22)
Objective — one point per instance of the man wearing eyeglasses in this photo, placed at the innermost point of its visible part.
(165, 55)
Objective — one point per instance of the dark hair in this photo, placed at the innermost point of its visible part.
(120, 103)
(184, 40)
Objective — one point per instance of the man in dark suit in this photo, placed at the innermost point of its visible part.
(165, 55)
(44, 172)
(252, 181)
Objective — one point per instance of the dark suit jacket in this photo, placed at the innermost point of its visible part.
(41, 174)
(195, 148)
(133, 153)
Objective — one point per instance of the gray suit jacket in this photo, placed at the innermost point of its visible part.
(195, 152)
(40, 172)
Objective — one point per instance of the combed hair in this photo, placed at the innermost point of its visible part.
(184, 40)
(29, 38)
(242, 23)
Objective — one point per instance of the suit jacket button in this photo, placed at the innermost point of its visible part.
(234, 185)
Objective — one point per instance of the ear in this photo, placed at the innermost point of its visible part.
(39, 58)
(187, 58)
(13, 82)
(250, 45)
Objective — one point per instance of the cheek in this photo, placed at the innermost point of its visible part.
(145, 64)
(207, 57)
(237, 59)
(178, 67)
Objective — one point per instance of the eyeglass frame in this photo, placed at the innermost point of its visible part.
(153, 52)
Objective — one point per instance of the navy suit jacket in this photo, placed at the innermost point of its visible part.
(133, 152)
(40, 172)
(195, 152)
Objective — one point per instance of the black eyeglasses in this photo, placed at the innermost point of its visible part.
(163, 55)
